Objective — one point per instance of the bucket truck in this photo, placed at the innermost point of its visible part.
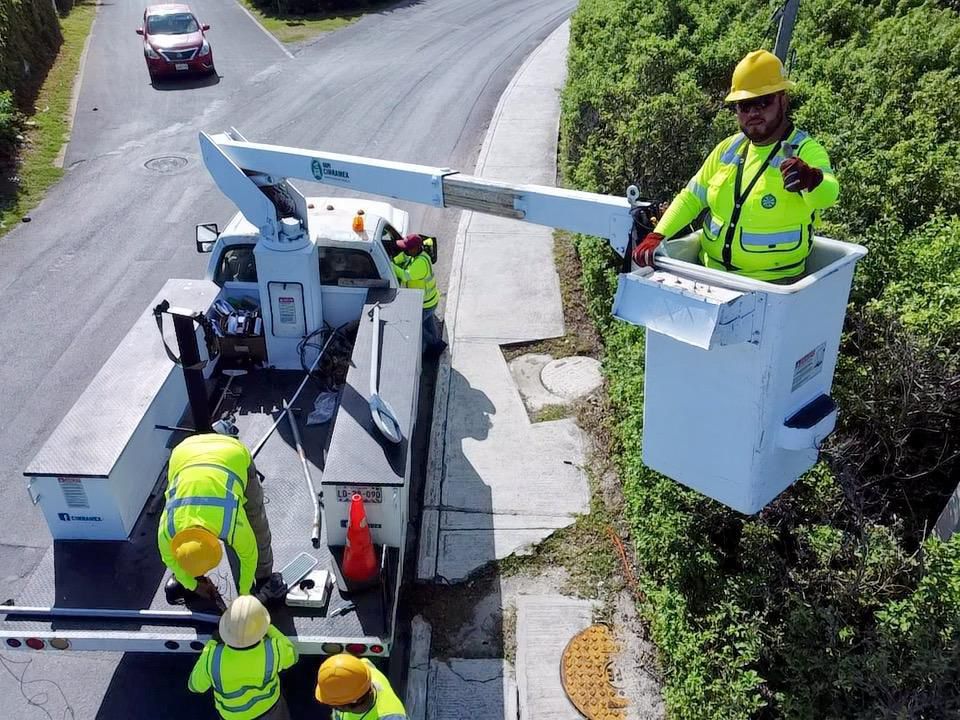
(743, 366)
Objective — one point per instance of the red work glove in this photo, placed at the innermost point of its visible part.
(643, 253)
(797, 175)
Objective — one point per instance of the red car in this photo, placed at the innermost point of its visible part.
(174, 42)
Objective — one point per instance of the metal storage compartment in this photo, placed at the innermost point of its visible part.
(738, 372)
(96, 470)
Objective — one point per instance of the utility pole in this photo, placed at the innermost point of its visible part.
(787, 16)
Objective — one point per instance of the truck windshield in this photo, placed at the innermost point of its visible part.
(237, 264)
(344, 264)
(173, 24)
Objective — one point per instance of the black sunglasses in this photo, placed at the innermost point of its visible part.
(760, 103)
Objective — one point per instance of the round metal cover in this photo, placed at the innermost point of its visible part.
(166, 163)
(571, 377)
(585, 670)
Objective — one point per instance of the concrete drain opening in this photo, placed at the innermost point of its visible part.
(585, 671)
(166, 163)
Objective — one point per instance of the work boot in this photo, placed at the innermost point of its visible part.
(175, 592)
(271, 589)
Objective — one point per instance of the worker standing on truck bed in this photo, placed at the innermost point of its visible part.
(413, 269)
(213, 494)
(244, 669)
(356, 690)
(763, 188)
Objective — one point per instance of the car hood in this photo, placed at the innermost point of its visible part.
(176, 42)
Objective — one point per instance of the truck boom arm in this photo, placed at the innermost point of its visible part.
(244, 170)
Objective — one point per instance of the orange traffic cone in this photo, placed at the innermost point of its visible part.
(359, 560)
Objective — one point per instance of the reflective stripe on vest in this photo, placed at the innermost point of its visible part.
(270, 678)
(699, 190)
(729, 156)
(228, 503)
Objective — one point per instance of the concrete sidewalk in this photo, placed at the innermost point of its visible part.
(496, 483)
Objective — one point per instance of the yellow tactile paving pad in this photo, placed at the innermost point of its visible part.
(585, 672)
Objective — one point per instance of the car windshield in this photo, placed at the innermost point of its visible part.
(174, 24)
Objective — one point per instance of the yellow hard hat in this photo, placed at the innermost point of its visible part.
(342, 679)
(759, 73)
(245, 622)
(197, 550)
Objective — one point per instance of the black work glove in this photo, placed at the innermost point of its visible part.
(798, 176)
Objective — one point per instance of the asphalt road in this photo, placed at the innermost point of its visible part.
(415, 83)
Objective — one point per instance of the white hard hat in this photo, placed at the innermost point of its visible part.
(244, 623)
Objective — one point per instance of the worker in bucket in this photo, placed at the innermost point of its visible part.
(213, 495)
(355, 690)
(763, 188)
(413, 269)
(243, 666)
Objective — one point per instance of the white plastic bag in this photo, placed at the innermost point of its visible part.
(323, 408)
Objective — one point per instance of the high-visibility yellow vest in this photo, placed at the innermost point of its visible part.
(206, 482)
(416, 272)
(387, 705)
(246, 683)
(753, 226)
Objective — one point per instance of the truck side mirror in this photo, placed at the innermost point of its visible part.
(139, 31)
(204, 27)
(207, 234)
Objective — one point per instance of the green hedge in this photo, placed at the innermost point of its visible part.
(10, 120)
(833, 602)
(29, 40)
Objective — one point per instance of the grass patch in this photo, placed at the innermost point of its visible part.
(48, 128)
(551, 412)
(298, 28)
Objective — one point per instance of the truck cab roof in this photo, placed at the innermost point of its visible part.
(330, 221)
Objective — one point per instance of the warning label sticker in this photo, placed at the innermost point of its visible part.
(288, 311)
(808, 366)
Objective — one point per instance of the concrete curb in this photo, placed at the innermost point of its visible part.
(269, 34)
(75, 92)
(432, 498)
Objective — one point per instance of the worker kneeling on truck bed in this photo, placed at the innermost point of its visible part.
(213, 494)
(356, 690)
(763, 188)
(244, 669)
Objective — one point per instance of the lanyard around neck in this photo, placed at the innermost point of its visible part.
(739, 197)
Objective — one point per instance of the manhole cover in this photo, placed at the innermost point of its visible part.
(166, 163)
(571, 377)
(585, 670)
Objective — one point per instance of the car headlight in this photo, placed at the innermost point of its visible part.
(150, 52)
(204, 49)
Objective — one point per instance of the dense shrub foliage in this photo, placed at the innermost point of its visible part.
(9, 124)
(29, 40)
(835, 601)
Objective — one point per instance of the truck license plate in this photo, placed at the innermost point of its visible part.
(181, 66)
(369, 495)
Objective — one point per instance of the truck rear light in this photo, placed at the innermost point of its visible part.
(376, 649)
(356, 648)
(196, 645)
(331, 648)
(171, 645)
(13, 642)
(60, 644)
(35, 643)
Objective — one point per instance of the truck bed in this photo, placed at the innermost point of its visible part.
(129, 575)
